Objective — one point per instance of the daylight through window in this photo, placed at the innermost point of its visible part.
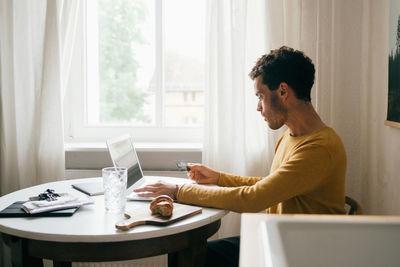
(145, 63)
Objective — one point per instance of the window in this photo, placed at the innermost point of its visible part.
(141, 60)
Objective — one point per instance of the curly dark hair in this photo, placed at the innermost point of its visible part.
(286, 65)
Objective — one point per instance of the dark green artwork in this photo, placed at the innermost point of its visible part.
(393, 112)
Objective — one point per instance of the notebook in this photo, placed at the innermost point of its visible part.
(123, 154)
(15, 210)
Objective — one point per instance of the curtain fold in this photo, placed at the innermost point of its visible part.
(34, 66)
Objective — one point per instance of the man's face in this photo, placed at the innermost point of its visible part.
(269, 105)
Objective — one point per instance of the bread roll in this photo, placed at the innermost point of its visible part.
(162, 205)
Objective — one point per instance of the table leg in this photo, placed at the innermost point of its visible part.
(19, 253)
(193, 256)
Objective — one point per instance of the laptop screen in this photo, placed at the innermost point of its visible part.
(123, 154)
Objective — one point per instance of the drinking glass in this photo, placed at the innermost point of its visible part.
(114, 182)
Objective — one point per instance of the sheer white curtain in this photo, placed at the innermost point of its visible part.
(236, 137)
(335, 34)
(36, 39)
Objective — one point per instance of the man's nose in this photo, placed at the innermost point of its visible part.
(259, 106)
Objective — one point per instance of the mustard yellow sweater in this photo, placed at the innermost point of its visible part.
(307, 176)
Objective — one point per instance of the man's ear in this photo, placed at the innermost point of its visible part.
(283, 90)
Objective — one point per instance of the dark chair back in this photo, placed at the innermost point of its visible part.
(353, 207)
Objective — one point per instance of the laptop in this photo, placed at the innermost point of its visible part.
(123, 154)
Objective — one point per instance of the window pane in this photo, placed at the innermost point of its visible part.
(126, 64)
(184, 29)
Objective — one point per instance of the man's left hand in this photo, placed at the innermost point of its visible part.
(159, 188)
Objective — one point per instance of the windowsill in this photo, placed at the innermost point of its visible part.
(148, 147)
(152, 156)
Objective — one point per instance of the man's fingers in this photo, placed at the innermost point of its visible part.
(147, 188)
(192, 164)
(147, 194)
(156, 189)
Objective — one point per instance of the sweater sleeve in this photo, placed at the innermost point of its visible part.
(302, 173)
(230, 180)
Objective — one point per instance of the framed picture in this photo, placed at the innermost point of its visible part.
(393, 109)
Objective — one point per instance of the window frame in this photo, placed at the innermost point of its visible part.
(76, 129)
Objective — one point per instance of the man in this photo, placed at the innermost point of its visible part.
(309, 166)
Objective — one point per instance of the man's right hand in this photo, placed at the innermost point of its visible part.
(202, 174)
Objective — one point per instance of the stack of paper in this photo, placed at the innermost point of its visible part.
(64, 201)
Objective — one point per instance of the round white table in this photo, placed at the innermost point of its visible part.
(90, 234)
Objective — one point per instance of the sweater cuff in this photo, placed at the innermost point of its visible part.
(222, 178)
(180, 191)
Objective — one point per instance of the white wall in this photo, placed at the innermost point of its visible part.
(380, 145)
(383, 182)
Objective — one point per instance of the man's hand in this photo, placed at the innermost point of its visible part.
(159, 188)
(202, 174)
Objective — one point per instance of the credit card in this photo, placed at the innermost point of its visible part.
(182, 165)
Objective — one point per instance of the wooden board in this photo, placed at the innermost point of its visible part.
(142, 215)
